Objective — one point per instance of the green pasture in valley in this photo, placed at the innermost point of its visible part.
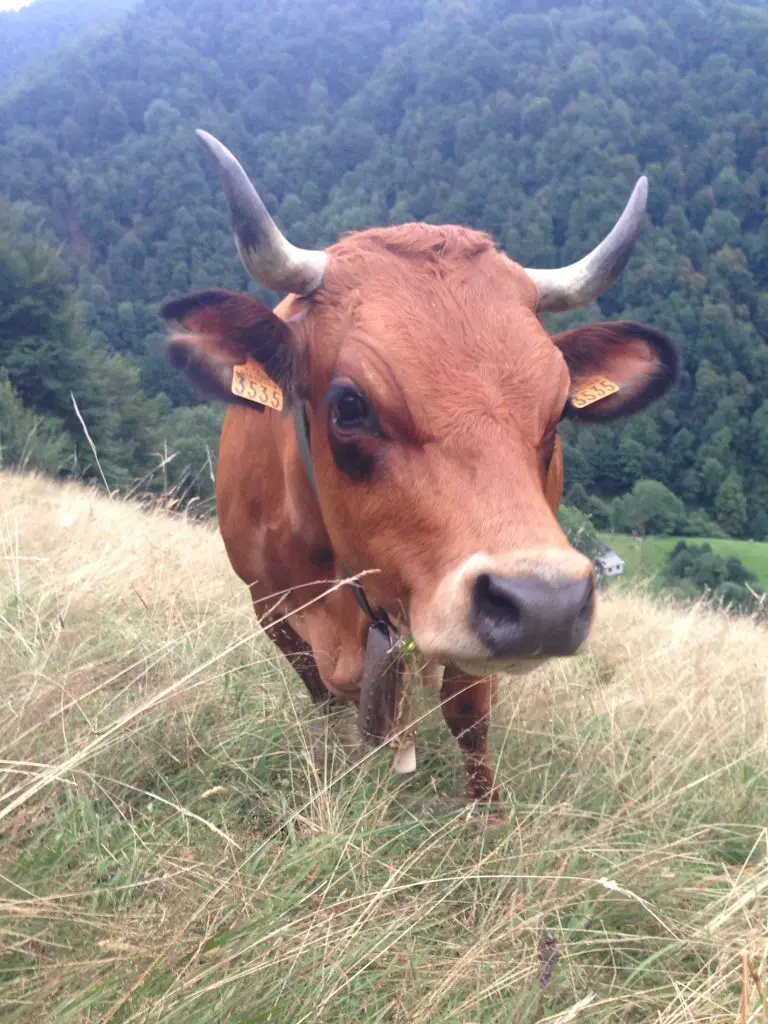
(646, 557)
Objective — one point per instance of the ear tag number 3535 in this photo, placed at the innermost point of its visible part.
(588, 390)
(249, 381)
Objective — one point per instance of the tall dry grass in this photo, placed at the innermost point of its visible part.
(185, 839)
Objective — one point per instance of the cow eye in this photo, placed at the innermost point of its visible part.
(350, 409)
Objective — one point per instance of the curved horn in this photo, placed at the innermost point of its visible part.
(580, 283)
(266, 253)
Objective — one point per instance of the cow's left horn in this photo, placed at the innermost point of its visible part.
(580, 283)
(266, 253)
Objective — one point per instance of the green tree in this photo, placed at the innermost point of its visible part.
(190, 448)
(758, 529)
(28, 441)
(699, 524)
(580, 531)
(694, 570)
(578, 497)
(731, 505)
(58, 379)
(599, 512)
(41, 353)
(651, 508)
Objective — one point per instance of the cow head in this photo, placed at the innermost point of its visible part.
(433, 396)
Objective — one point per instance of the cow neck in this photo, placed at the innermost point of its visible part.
(301, 426)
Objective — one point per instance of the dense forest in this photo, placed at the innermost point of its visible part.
(524, 119)
(31, 34)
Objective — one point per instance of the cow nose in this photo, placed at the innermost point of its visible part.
(526, 616)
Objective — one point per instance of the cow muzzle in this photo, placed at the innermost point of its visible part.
(507, 614)
(526, 617)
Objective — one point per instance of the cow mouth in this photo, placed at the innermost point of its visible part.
(466, 651)
(480, 667)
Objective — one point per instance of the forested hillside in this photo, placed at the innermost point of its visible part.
(529, 121)
(29, 35)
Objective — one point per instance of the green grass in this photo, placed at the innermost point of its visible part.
(186, 840)
(646, 558)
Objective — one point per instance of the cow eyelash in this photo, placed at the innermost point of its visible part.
(547, 446)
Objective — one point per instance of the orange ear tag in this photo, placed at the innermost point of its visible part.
(588, 390)
(249, 381)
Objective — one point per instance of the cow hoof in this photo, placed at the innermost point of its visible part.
(330, 705)
(483, 794)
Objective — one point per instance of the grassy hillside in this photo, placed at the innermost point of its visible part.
(647, 557)
(183, 840)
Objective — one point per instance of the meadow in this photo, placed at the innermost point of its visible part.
(183, 838)
(644, 558)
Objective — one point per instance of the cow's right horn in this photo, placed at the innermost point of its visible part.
(570, 287)
(266, 253)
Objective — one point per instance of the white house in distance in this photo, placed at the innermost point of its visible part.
(609, 564)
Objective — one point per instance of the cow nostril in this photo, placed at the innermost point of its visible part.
(494, 600)
(584, 614)
(528, 616)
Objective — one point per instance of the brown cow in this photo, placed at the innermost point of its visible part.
(431, 395)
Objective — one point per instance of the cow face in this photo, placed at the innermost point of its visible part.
(433, 396)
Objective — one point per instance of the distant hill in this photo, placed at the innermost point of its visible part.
(530, 123)
(36, 31)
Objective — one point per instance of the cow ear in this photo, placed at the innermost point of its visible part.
(617, 369)
(226, 342)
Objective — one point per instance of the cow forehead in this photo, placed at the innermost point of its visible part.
(415, 274)
(430, 270)
(437, 316)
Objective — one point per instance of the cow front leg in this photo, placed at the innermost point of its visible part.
(466, 704)
(302, 660)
